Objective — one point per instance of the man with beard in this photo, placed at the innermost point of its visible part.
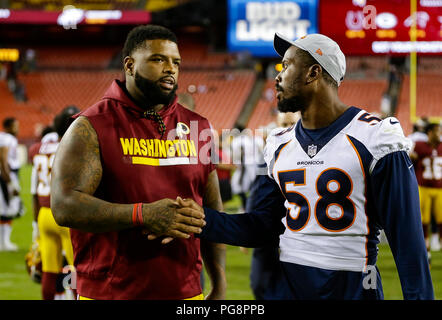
(116, 171)
(342, 175)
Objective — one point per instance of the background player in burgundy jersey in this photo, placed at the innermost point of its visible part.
(117, 169)
(428, 162)
(54, 241)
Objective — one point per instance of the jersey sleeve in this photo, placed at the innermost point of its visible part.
(276, 137)
(395, 191)
(33, 150)
(261, 226)
(388, 138)
(34, 180)
(4, 140)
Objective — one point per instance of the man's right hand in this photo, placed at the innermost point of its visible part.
(161, 218)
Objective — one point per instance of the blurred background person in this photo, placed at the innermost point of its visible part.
(246, 152)
(10, 203)
(428, 158)
(224, 169)
(419, 128)
(54, 241)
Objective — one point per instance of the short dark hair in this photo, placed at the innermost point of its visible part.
(138, 35)
(7, 123)
(63, 120)
(46, 130)
(308, 59)
(431, 126)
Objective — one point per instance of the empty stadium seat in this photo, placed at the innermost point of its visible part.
(219, 95)
(264, 112)
(74, 57)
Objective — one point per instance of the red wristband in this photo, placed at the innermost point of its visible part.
(137, 214)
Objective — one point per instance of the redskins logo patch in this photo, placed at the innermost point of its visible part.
(182, 129)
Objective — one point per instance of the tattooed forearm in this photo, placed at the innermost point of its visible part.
(214, 255)
(212, 196)
(76, 175)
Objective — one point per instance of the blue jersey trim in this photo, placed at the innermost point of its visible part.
(323, 135)
(370, 211)
(276, 155)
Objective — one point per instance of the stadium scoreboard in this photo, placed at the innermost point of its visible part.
(9, 55)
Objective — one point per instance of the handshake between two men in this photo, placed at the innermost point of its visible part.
(171, 219)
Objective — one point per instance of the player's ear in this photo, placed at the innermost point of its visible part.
(314, 73)
(128, 64)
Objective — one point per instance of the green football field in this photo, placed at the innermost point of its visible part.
(16, 285)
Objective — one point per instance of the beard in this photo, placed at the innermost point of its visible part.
(292, 104)
(289, 105)
(152, 92)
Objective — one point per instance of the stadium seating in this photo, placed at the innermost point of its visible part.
(219, 95)
(428, 99)
(198, 56)
(264, 112)
(78, 58)
(429, 65)
(50, 91)
(363, 93)
(366, 67)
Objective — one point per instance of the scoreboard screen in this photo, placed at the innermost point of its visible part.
(252, 24)
(366, 27)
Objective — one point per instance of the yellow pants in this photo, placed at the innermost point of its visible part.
(53, 239)
(198, 297)
(430, 198)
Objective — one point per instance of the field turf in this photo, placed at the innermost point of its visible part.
(16, 285)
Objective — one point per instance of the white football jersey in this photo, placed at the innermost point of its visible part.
(327, 224)
(42, 165)
(11, 142)
(247, 154)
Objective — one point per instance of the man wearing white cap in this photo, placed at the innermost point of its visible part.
(342, 175)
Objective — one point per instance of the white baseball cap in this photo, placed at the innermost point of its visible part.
(321, 48)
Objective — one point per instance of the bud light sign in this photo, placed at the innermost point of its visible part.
(252, 24)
